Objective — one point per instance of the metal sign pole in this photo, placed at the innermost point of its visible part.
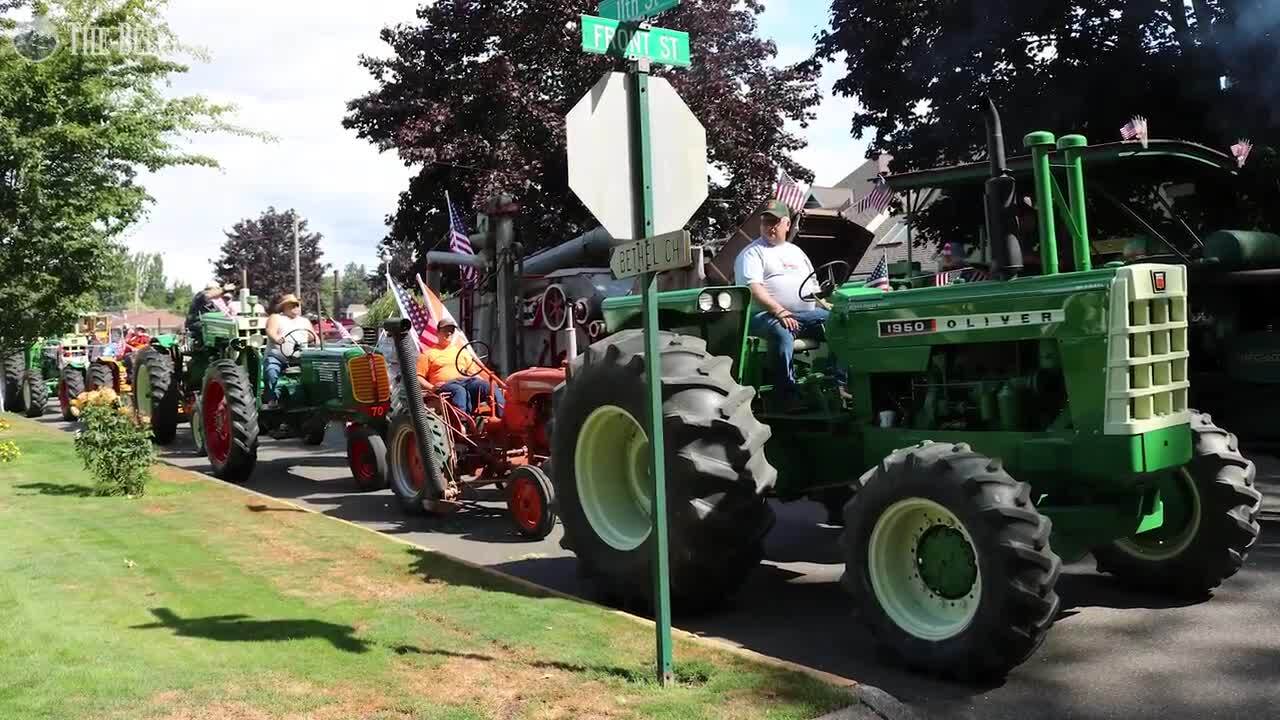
(643, 177)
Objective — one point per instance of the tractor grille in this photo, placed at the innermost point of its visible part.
(370, 383)
(1147, 350)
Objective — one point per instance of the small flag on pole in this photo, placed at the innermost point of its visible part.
(877, 199)
(460, 243)
(947, 277)
(1136, 128)
(880, 274)
(1240, 151)
(424, 325)
(789, 192)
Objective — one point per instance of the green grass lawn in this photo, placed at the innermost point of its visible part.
(201, 602)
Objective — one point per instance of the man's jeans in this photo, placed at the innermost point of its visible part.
(275, 367)
(782, 342)
(461, 392)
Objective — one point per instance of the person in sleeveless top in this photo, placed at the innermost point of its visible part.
(287, 319)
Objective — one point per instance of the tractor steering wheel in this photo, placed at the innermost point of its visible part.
(480, 357)
(290, 348)
(830, 277)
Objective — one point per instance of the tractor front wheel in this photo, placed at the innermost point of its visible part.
(70, 387)
(531, 502)
(717, 473)
(948, 562)
(155, 394)
(367, 458)
(35, 394)
(407, 467)
(1210, 521)
(230, 421)
(15, 364)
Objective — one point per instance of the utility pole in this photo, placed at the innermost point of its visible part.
(297, 269)
(337, 295)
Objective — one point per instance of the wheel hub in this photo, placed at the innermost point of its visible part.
(611, 469)
(946, 562)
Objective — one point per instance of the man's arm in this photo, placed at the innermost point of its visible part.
(273, 329)
(749, 271)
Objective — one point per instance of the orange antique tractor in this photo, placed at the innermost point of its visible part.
(469, 450)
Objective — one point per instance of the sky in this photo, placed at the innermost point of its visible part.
(290, 67)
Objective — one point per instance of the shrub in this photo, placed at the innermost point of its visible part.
(114, 443)
(8, 450)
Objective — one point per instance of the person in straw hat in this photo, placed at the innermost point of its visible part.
(287, 326)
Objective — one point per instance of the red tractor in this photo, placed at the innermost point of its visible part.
(477, 449)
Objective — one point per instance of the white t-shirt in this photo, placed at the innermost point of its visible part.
(781, 268)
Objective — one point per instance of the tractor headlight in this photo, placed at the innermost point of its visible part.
(706, 303)
(724, 300)
(357, 333)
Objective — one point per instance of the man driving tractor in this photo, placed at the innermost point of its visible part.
(289, 323)
(439, 369)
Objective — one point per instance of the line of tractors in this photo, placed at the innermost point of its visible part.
(992, 432)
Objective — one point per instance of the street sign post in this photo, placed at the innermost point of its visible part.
(610, 37)
(668, 251)
(616, 181)
(628, 10)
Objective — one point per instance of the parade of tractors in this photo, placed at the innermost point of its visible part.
(970, 439)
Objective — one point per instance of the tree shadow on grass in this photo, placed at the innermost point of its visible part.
(239, 628)
(56, 489)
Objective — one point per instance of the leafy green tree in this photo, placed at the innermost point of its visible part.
(75, 128)
(475, 94)
(354, 285)
(179, 297)
(263, 247)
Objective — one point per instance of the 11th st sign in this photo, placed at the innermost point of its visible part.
(627, 10)
(610, 37)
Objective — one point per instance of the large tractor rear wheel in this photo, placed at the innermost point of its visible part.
(15, 366)
(155, 394)
(35, 394)
(717, 474)
(101, 377)
(230, 421)
(1210, 521)
(367, 458)
(948, 562)
(70, 387)
(408, 469)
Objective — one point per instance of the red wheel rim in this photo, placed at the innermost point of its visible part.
(417, 471)
(363, 464)
(526, 503)
(217, 423)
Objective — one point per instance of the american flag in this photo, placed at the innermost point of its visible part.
(424, 325)
(1136, 128)
(976, 274)
(789, 192)
(460, 243)
(947, 277)
(880, 275)
(1240, 151)
(877, 199)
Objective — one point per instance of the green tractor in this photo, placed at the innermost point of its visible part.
(216, 381)
(995, 430)
(26, 372)
(1177, 202)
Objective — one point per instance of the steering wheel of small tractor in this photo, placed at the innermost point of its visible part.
(829, 277)
(555, 308)
(480, 357)
(290, 347)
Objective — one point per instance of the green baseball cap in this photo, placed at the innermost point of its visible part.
(778, 209)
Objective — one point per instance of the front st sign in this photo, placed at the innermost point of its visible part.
(602, 36)
(668, 251)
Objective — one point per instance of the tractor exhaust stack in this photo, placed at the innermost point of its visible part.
(1001, 204)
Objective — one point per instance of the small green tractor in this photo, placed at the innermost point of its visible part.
(216, 381)
(64, 368)
(995, 431)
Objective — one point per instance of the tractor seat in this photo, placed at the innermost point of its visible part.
(805, 344)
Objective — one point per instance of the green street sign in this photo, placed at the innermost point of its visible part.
(609, 37)
(625, 10)
(668, 251)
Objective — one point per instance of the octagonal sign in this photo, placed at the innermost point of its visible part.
(599, 149)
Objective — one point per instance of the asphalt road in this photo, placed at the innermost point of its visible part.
(1112, 653)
